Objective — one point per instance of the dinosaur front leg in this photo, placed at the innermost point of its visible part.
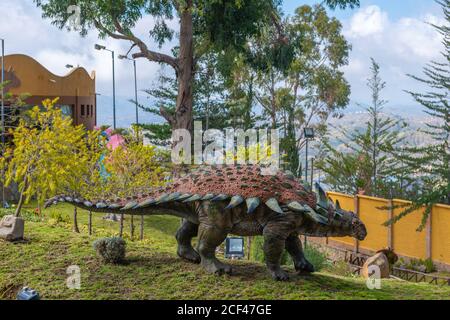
(210, 237)
(294, 248)
(185, 233)
(273, 249)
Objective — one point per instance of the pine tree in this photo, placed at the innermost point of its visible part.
(431, 163)
(367, 164)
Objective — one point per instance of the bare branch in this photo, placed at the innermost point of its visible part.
(123, 34)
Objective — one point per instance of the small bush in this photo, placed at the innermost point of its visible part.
(341, 268)
(56, 217)
(425, 266)
(318, 258)
(111, 250)
(312, 254)
(257, 252)
(26, 215)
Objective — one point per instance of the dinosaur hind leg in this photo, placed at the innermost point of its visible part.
(274, 246)
(185, 233)
(210, 237)
(294, 248)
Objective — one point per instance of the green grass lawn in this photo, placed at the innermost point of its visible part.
(153, 271)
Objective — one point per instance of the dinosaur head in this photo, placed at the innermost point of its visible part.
(346, 223)
(330, 220)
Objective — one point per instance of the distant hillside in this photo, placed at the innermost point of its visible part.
(357, 121)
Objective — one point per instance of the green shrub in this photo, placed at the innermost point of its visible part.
(111, 250)
(26, 215)
(312, 254)
(426, 266)
(318, 258)
(257, 252)
(57, 217)
(341, 268)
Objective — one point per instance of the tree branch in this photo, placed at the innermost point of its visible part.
(123, 34)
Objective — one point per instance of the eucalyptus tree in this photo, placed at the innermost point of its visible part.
(203, 26)
(223, 26)
(297, 76)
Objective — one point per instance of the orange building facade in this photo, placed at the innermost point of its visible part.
(76, 90)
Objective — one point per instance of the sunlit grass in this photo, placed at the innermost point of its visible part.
(153, 271)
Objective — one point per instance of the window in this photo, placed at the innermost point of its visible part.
(92, 110)
(87, 110)
(82, 110)
(66, 110)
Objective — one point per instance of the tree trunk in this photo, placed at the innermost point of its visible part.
(19, 204)
(185, 77)
(21, 198)
(75, 220)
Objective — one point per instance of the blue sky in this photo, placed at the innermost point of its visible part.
(393, 32)
(396, 8)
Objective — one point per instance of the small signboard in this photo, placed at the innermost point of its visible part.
(234, 247)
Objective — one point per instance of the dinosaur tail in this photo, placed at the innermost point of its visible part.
(130, 206)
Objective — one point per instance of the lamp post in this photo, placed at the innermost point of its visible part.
(123, 57)
(3, 119)
(309, 134)
(100, 47)
(96, 106)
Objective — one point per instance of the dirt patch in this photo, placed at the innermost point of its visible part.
(9, 291)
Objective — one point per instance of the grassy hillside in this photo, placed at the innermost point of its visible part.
(153, 271)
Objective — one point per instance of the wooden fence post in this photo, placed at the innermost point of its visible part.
(391, 226)
(356, 200)
(428, 236)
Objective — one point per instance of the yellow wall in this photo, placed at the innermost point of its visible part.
(406, 241)
(373, 217)
(440, 234)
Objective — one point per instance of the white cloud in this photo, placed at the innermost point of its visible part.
(26, 32)
(368, 21)
(401, 46)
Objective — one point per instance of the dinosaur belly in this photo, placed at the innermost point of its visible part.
(247, 228)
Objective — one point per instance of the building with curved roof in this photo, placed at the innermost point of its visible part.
(76, 90)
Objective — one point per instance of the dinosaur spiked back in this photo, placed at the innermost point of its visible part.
(238, 185)
(245, 181)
